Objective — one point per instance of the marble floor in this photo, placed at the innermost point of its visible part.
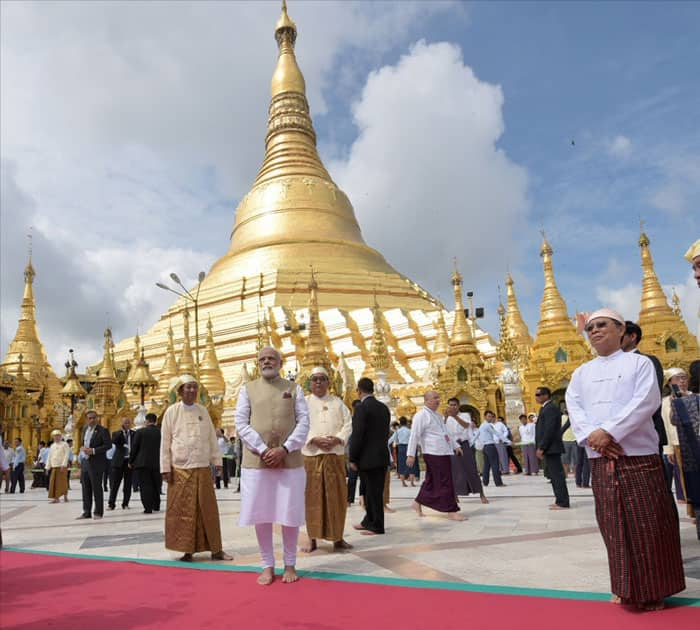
(514, 541)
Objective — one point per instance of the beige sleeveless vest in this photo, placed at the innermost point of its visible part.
(272, 416)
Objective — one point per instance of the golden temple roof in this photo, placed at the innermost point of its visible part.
(379, 359)
(36, 368)
(462, 340)
(553, 311)
(442, 341)
(507, 349)
(315, 353)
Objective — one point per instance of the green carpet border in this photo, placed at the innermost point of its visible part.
(361, 579)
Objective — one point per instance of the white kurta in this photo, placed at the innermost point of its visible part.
(272, 495)
(328, 416)
(58, 455)
(619, 394)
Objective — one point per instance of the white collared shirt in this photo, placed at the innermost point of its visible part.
(429, 431)
(618, 393)
(457, 431)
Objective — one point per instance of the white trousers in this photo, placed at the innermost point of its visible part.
(290, 539)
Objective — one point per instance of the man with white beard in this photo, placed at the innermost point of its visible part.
(272, 421)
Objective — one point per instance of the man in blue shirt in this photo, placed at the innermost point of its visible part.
(488, 436)
(18, 466)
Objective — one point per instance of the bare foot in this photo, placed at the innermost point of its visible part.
(341, 545)
(310, 546)
(417, 508)
(484, 499)
(368, 532)
(186, 558)
(267, 576)
(358, 526)
(362, 501)
(558, 507)
(456, 516)
(404, 484)
(616, 599)
(389, 510)
(289, 575)
(221, 555)
(53, 501)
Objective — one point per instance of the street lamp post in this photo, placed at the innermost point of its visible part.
(142, 380)
(72, 390)
(190, 298)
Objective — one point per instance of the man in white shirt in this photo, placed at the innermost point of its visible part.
(611, 401)
(465, 475)
(527, 445)
(188, 448)
(428, 430)
(272, 420)
(330, 425)
(224, 472)
(488, 436)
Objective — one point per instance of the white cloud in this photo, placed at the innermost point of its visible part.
(620, 147)
(425, 174)
(129, 130)
(679, 191)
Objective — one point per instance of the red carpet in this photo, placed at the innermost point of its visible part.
(43, 591)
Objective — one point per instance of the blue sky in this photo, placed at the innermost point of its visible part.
(130, 131)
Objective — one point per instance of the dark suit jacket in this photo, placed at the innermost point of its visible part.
(548, 430)
(370, 434)
(145, 448)
(119, 458)
(101, 442)
(657, 418)
(694, 377)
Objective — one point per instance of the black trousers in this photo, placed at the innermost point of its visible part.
(17, 477)
(149, 481)
(224, 473)
(352, 484)
(92, 489)
(513, 458)
(115, 479)
(491, 463)
(556, 474)
(583, 468)
(373, 481)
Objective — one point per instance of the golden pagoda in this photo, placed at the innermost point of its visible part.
(517, 328)
(380, 362)
(664, 333)
(169, 370)
(29, 388)
(557, 349)
(106, 396)
(186, 364)
(314, 350)
(210, 375)
(465, 375)
(295, 217)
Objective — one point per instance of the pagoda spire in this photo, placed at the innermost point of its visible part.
(107, 372)
(169, 369)
(654, 302)
(210, 373)
(442, 341)
(507, 350)
(315, 353)
(137, 356)
(665, 334)
(462, 340)
(379, 359)
(552, 308)
(517, 328)
(26, 341)
(290, 144)
(186, 363)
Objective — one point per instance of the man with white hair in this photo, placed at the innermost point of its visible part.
(330, 424)
(272, 421)
(188, 448)
(611, 400)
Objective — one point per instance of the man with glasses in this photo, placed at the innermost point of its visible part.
(330, 424)
(272, 421)
(550, 446)
(611, 400)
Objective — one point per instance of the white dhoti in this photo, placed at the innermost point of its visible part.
(272, 496)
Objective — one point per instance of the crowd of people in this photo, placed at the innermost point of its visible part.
(298, 459)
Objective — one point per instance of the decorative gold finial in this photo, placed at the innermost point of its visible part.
(287, 76)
